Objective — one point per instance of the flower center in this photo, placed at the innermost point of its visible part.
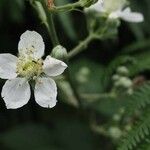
(29, 68)
(113, 5)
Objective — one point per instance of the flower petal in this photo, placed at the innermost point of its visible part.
(114, 5)
(8, 64)
(98, 6)
(45, 92)
(114, 15)
(127, 15)
(16, 93)
(53, 67)
(31, 44)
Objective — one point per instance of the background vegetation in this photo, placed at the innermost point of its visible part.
(104, 122)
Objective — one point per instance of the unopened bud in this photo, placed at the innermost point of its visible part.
(117, 117)
(124, 82)
(50, 4)
(122, 70)
(82, 75)
(115, 132)
(115, 77)
(130, 91)
(59, 52)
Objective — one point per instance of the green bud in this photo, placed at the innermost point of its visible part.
(122, 110)
(122, 70)
(115, 77)
(123, 82)
(87, 3)
(59, 52)
(130, 91)
(128, 127)
(116, 117)
(82, 75)
(115, 132)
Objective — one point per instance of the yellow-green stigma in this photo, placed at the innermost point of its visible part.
(30, 68)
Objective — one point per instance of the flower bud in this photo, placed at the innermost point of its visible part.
(124, 82)
(59, 52)
(117, 117)
(115, 77)
(83, 74)
(130, 91)
(122, 70)
(87, 3)
(115, 132)
(50, 4)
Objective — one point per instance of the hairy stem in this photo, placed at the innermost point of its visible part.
(82, 46)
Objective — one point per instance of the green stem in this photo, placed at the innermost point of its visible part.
(67, 7)
(44, 19)
(67, 92)
(97, 96)
(51, 30)
(74, 88)
(92, 35)
(82, 46)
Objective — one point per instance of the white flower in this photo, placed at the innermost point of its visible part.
(116, 9)
(29, 66)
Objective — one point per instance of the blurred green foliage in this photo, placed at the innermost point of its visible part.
(66, 127)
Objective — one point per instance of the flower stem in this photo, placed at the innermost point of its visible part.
(67, 7)
(49, 24)
(98, 96)
(51, 30)
(74, 88)
(82, 46)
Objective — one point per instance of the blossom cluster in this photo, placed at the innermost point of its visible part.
(29, 68)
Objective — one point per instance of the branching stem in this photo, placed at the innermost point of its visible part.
(67, 7)
(81, 46)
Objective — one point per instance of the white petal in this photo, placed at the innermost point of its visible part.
(8, 64)
(45, 92)
(31, 43)
(98, 6)
(114, 15)
(114, 5)
(127, 15)
(16, 93)
(53, 67)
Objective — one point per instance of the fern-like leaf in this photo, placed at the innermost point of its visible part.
(137, 134)
(139, 99)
